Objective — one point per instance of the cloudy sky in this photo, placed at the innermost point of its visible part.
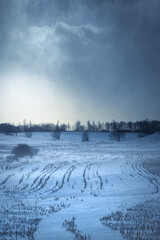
(79, 59)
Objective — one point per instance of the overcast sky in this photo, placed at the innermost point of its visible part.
(79, 59)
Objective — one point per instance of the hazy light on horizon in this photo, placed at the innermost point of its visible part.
(32, 98)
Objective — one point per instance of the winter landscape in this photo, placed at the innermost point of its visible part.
(79, 120)
(69, 189)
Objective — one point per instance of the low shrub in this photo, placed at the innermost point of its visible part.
(23, 150)
(28, 134)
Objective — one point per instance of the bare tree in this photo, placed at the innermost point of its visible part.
(77, 126)
(85, 136)
(8, 129)
(56, 133)
(116, 132)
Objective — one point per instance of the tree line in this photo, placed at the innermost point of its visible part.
(145, 126)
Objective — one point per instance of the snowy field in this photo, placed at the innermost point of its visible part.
(98, 190)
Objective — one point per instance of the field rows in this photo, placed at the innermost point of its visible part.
(93, 179)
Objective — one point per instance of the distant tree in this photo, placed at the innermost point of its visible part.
(129, 126)
(99, 126)
(77, 126)
(89, 126)
(63, 127)
(94, 127)
(27, 127)
(155, 126)
(7, 128)
(56, 133)
(102, 127)
(107, 126)
(117, 133)
(68, 127)
(145, 126)
(85, 136)
(14, 130)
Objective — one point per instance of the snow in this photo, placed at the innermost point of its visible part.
(69, 178)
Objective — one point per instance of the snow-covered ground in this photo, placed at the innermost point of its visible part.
(99, 190)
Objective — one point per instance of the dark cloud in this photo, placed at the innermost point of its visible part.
(104, 53)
